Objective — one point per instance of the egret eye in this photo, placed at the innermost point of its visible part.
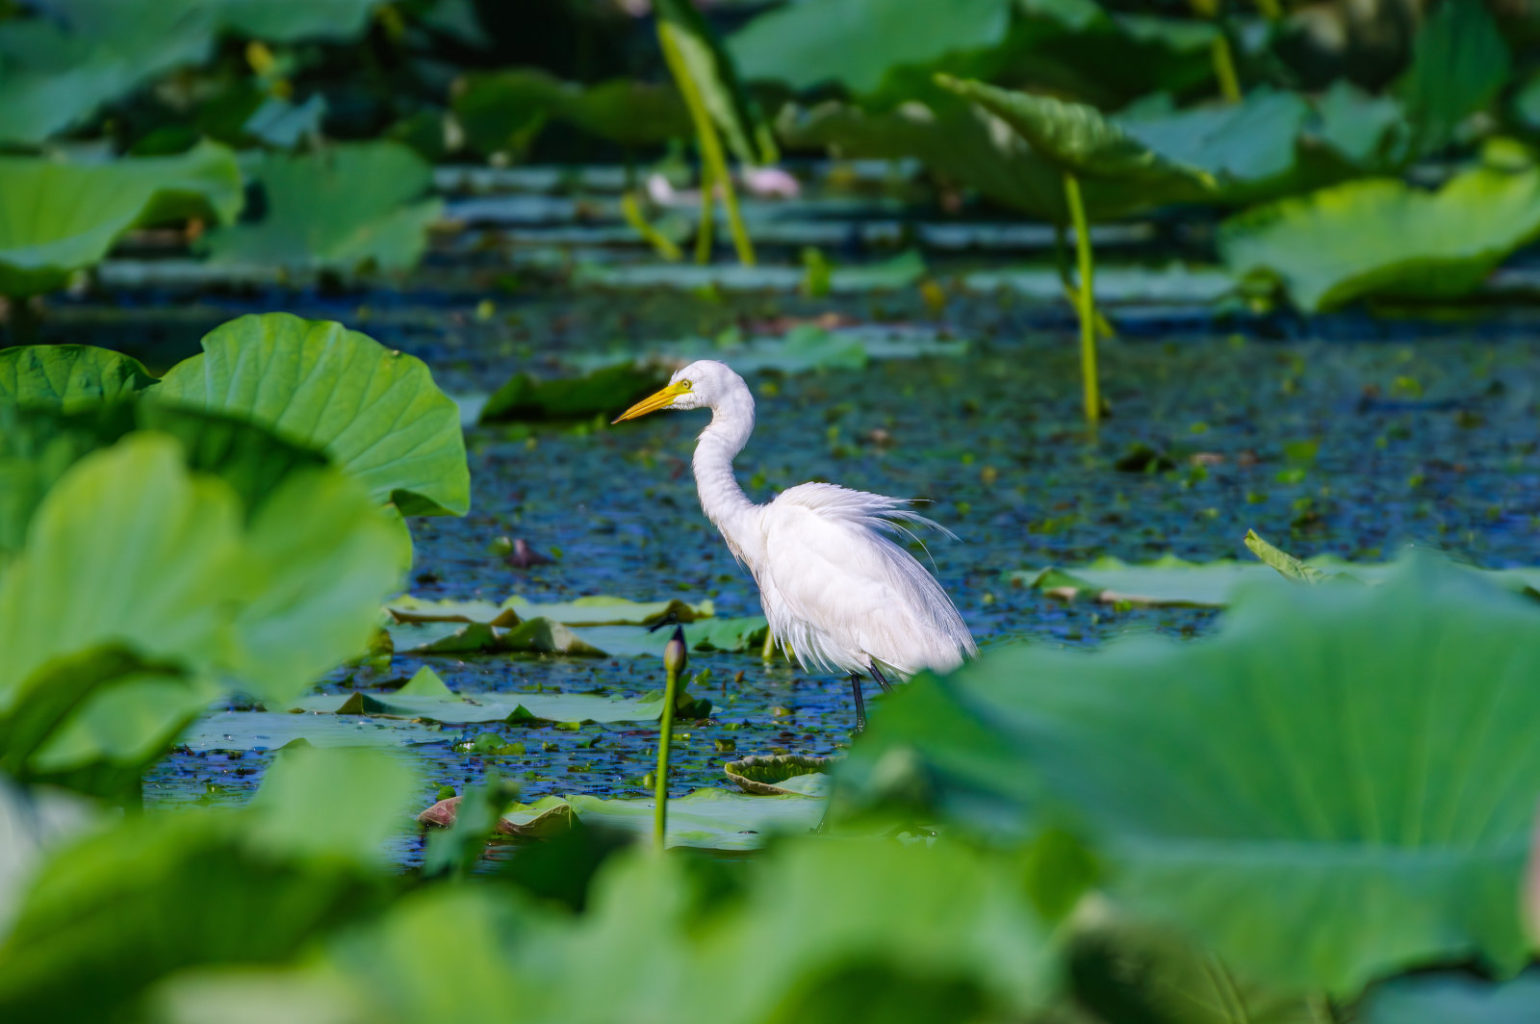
(685, 385)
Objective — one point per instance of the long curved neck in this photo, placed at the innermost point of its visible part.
(723, 501)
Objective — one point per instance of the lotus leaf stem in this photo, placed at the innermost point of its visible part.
(661, 243)
(675, 657)
(1087, 304)
(714, 171)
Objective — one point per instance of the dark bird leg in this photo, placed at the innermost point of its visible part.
(855, 688)
(882, 680)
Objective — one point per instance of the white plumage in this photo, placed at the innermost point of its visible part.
(838, 592)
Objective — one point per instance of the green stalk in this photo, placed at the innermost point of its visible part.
(675, 657)
(714, 160)
(1224, 69)
(768, 651)
(705, 232)
(1087, 304)
(662, 244)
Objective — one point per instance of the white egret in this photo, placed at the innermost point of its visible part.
(838, 593)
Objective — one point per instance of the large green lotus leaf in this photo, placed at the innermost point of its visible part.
(502, 110)
(1450, 998)
(134, 903)
(1301, 793)
(302, 810)
(699, 63)
(57, 218)
(39, 444)
(1386, 238)
(375, 411)
(69, 376)
(48, 698)
(105, 748)
(126, 549)
(857, 42)
(820, 910)
(1369, 132)
(324, 555)
(1250, 148)
(496, 706)
(1078, 139)
(352, 206)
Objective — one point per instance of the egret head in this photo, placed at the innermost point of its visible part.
(696, 386)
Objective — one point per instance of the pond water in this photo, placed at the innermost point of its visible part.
(1416, 433)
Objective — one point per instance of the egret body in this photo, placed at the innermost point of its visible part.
(837, 590)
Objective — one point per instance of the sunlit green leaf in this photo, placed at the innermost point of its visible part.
(714, 78)
(1383, 238)
(69, 376)
(375, 411)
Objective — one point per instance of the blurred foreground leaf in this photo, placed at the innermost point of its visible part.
(1329, 730)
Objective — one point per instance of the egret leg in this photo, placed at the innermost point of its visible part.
(855, 688)
(882, 680)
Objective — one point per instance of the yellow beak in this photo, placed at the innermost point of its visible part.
(652, 403)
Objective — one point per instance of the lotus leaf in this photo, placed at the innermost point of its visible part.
(375, 411)
(38, 444)
(856, 43)
(1078, 139)
(270, 730)
(1342, 796)
(1384, 238)
(781, 774)
(57, 218)
(502, 110)
(349, 207)
(131, 903)
(490, 707)
(58, 68)
(70, 377)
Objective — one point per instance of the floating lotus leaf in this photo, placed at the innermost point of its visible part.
(780, 774)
